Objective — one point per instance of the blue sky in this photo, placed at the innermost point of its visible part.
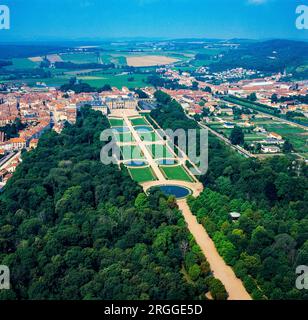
(101, 19)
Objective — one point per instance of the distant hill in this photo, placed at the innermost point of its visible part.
(10, 51)
(267, 56)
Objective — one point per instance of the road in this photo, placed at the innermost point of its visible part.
(5, 159)
(220, 269)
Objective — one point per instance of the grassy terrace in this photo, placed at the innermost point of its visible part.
(116, 122)
(159, 151)
(139, 122)
(131, 152)
(141, 175)
(149, 136)
(124, 137)
(176, 173)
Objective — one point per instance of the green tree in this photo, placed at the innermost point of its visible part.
(141, 201)
(287, 147)
(252, 97)
(217, 289)
(237, 136)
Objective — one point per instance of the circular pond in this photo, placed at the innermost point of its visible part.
(120, 129)
(143, 129)
(177, 191)
(136, 163)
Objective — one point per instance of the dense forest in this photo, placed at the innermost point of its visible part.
(72, 228)
(269, 240)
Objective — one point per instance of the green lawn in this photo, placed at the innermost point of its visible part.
(116, 122)
(149, 136)
(139, 122)
(23, 63)
(254, 137)
(159, 151)
(142, 174)
(176, 173)
(124, 137)
(52, 82)
(116, 80)
(113, 58)
(131, 152)
(79, 58)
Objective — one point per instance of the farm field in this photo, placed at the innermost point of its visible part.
(23, 63)
(80, 58)
(141, 175)
(52, 82)
(116, 80)
(116, 59)
(150, 60)
(176, 173)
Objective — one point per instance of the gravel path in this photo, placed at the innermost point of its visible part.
(220, 269)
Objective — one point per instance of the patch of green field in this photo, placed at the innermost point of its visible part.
(254, 137)
(79, 58)
(117, 59)
(185, 69)
(131, 152)
(116, 122)
(124, 137)
(52, 82)
(302, 68)
(216, 126)
(118, 80)
(23, 63)
(141, 175)
(201, 63)
(121, 60)
(176, 173)
(139, 122)
(149, 136)
(159, 151)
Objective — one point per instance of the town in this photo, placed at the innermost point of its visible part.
(270, 113)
